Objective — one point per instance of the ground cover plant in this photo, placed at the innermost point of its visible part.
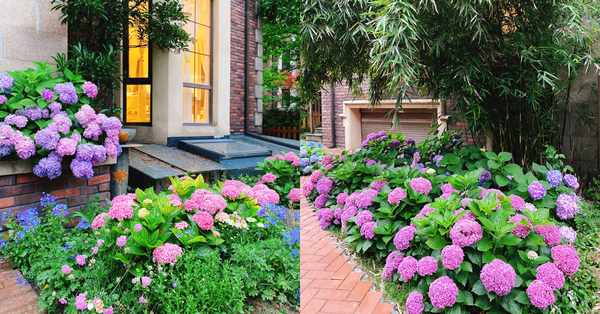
(193, 248)
(466, 230)
(46, 116)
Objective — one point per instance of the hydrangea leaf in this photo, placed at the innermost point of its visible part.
(480, 290)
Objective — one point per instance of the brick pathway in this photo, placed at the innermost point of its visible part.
(15, 298)
(328, 284)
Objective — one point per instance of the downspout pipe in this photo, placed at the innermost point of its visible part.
(332, 92)
(246, 66)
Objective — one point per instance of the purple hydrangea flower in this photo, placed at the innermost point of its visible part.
(324, 215)
(452, 257)
(66, 92)
(443, 292)
(98, 154)
(517, 202)
(566, 206)
(568, 234)
(85, 152)
(341, 198)
(47, 138)
(90, 89)
(424, 211)
(485, 176)
(3, 99)
(349, 212)
(407, 268)
(437, 159)
(378, 185)
(82, 169)
(5, 150)
(498, 277)
(61, 123)
(537, 190)
(364, 144)
(554, 177)
(394, 143)
(55, 107)
(308, 169)
(303, 153)
(314, 158)
(521, 230)
(571, 182)
(18, 121)
(566, 258)
(92, 131)
(550, 275)
(403, 237)
(24, 145)
(550, 233)
(421, 185)
(409, 141)
(391, 265)
(304, 162)
(365, 199)
(47, 94)
(414, 303)
(367, 229)
(540, 294)
(324, 185)
(6, 81)
(321, 200)
(33, 113)
(66, 146)
(372, 136)
(49, 167)
(427, 266)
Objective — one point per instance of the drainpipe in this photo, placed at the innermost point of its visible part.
(246, 67)
(332, 91)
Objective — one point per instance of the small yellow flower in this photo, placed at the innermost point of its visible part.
(431, 171)
(46, 287)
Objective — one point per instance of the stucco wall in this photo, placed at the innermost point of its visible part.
(29, 31)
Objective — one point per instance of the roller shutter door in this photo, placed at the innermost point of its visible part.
(414, 123)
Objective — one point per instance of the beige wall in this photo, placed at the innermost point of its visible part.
(167, 88)
(29, 31)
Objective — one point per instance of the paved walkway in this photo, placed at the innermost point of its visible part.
(16, 298)
(328, 284)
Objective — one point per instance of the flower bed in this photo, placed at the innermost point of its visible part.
(46, 116)
(467, 229)
(193, 248)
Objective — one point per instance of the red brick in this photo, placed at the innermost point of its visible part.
(99, 179)
(17, 190)
(77, 182)
(339, 262)
(7, 180)
(304, 283)
(339, 307)
(7, 202)
(318, 274)
(331, 256)
(325, 284)
(304, 258)
(104, 169)
(53, 185)
(332, 294)
(314, 306)
(314, 266)
(350, 282)
(306, 296)
(360, 290)
(369, 303)
(66, 193)
(103, 196)
(29, 177)
(325, 250)
(78, 200)
(383, 308)
(103, 187)
(28, 198)
(85, 190)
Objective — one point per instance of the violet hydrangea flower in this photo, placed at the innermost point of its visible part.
(498, 277)
(365, 199)
(324, 216)
(437, 159)
(452, 257)
(367, 230)
(90, 89)
(566, 206)
(551, 275)
(403, 237)
(47, 94)
(521, 230)
(324, 185)
(554, 177)
(47, 138)
(407, 268)
(414, 303)
(427, 266)
(394, 143)
(409, 141)
(391, 265)
(540, 294)
(363, 217)
(50, 166)
(465, 233)
(568, 234)
(571, 181)
(321, 200)
(485, 176)
(66, 92)
(537, 190)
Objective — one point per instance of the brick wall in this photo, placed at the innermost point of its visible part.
(23, 191)
(237, 65)
(342, 93)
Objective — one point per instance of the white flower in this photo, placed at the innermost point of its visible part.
(260, 225)
(147, 201)
(250, 219)
(90, 306)
(118, 279)
(126, 249)
(119, 225)
(92, 261)
(53, 293)
(532, 255)
(150, 267)
(430, 171)
(71, 276)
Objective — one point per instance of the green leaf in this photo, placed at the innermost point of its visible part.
(483, 302)
(513, 169)
(501, 180)
(510, 239)
(479, 289)
(504, 156)
(488, 257)
(203, 251)
(437, 243)
(466, 266)
(137, 270)
(462, 277)
(122, 258)
(521, 297)
(539, 169)
(509, 304)
(484, 244)
(28, 102)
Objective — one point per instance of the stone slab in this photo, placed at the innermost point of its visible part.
(151, 167)
(178, 158)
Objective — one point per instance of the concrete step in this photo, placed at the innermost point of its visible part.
(319, 130)
(314, 137)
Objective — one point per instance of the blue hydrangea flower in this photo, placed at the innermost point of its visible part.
(314, 158)
(308, 169)
(304, 162)
(83, 224)
(303, 153)
(485, 176)
(554, 177)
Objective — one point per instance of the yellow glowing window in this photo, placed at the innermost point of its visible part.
(197, 75)
(138, 80)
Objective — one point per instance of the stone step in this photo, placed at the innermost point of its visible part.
(314, 137)
(319, 130)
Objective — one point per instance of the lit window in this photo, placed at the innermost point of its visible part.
(138, 77)
(197, 78)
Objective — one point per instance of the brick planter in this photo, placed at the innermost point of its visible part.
(20, 189)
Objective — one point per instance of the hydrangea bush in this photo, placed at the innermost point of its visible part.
(314, 157)
(476, 213)
(47, 117)
(283, 176)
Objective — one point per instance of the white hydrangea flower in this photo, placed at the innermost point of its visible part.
(532, 255)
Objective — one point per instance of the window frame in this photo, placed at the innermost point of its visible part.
(203, 86)
(136, 81)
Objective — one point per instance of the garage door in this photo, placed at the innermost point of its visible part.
(414, 123)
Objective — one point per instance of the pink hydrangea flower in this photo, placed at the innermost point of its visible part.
(498, 277)
(391, 265)
(307, 188)
(100, 242)
(167, 253)
(222, 216)
(407, 268)
(109, 310)
(521, 230)
(121, 207)
(204, 220)
(452, 257)
(424, 211)
(294, 195)
(231, 192)
(324, 216)
(540, 294)
(315, 176)
(90, 89)
(367, 230)
(414, 303)
(517, 202)
(363, 217)
(448, 189)
(365, 199)
(443, 292)
(465, 233)
(269, 178)
(99, 221)
(80, 259)
(551, 275)
(94, 250)
(80, 302)
(181, 225)
(396, 195)
(142, 300)
(137, 227)
(566, 258)
(403, 237)
(121, 241)
(62, 301)
(66, 269)
(427, 266)
(550, 233)
(349, 212)
(175, 200)
(341, 198)
(421, 185)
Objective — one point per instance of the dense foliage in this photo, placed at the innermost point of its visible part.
(46, 116)
(192, 248)
(469, 230)
(284, 117)
(503, 63)
(283, 176)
